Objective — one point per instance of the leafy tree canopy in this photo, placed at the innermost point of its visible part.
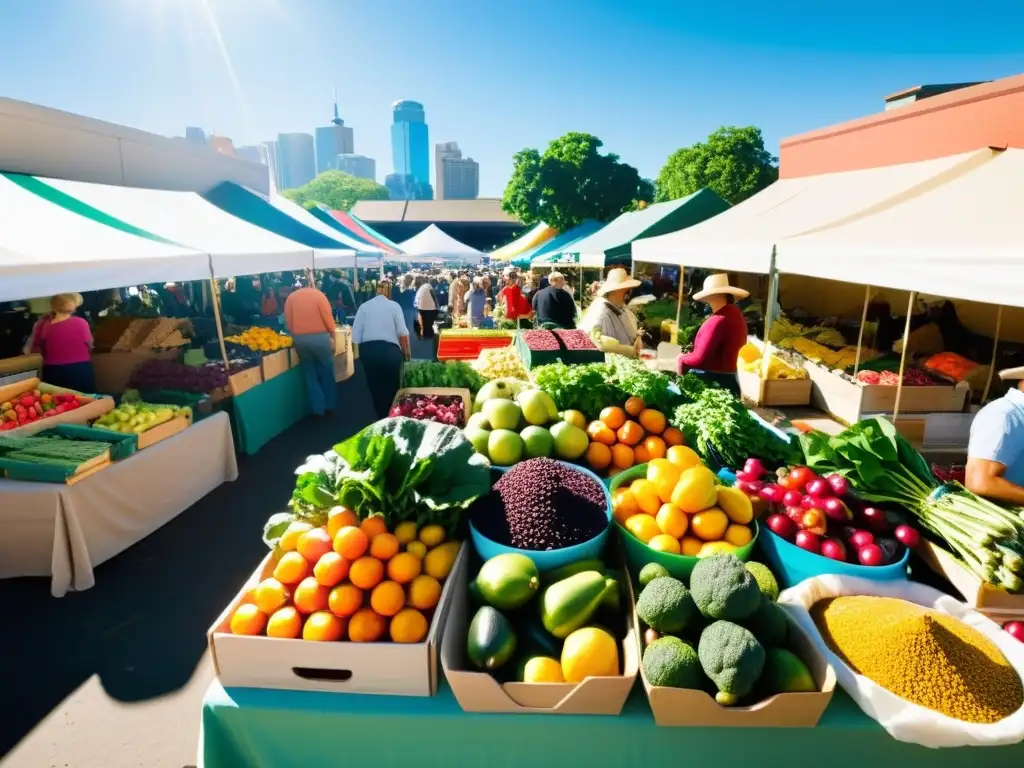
(732, 161)
(572, 181)
(337, 190)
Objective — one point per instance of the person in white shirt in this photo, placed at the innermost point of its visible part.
(426, 306)
(380, 333)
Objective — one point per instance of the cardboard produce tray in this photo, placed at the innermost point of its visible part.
(480, 692)
(776, 392)
(89, 411)
(994, 602)
(275, 363)
(464, 393)
(386, 668)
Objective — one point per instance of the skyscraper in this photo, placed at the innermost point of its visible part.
(360, 166)
(194, 135)
(333, 140)
(268, 156)
(455, 177)
(296, 164)
(410, 144)
(249, 152)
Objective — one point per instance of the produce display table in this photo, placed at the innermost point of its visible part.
(64, 531)
(255, 728)
(268, 409)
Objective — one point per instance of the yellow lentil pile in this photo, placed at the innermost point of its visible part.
(921, 655)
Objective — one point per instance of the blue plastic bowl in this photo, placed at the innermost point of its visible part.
(792, 564)
(548, 560)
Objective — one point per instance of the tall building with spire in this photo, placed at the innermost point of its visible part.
(410, 152)
(333, 140)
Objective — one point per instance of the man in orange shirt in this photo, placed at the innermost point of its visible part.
(308, 318)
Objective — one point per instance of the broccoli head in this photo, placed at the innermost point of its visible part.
(670, 662)
(723, 588)
(665, 605)
(768, 623)
(732, 658)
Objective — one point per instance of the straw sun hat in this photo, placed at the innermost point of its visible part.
(618, 279)
(719, 284)
(1012, 374)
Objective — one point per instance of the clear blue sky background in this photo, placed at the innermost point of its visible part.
(645, 77)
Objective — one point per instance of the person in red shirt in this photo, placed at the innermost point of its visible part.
(516, 305)
(719, 339)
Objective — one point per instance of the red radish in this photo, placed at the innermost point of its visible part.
(819, 488)
(861, 539)
(907, 536)
(809, 541)
(753, 466)
(744, 485)
(836, 510)
(1015, 629)
(796, 514)
(788, 483)
(756, 486)
(809, 502)
(800, 476)
(792, 498)
(812, 518)
(771, 494)
(875, 519)
(745, 477)
(840, 487)
(833, 549)
(782, 526)
(871, 555)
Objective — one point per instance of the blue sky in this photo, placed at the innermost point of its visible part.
(645, 77)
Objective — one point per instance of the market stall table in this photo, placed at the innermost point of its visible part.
(257, 728)
(64, 531)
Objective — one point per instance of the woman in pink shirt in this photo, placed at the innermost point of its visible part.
(65, 342)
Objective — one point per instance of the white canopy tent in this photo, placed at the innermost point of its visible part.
(963, 239)
(327, 258)
(742, 238)
(46, 249)
(235, 246)
(434, 243)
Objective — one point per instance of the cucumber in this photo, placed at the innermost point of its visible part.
(568, 604)
(565, 571)
(491, 641)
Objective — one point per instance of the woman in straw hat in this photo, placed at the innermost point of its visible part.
(719, 339)
(608, 313)
(65, 342)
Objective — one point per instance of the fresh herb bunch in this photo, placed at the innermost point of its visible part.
(429, 373)
(585, 388)
(636, 380)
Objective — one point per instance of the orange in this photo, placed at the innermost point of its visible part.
(652, 420)
(664, 474)
(710, 525)
(682, 457)
(409, 626)
(310, 596)
(622, 456)
(285, 623)
(384, 546)
(404, 567)
(365, 626)
(331, 569)
(664, 543)
(635, 406)
(599, 455)
(655, 447)
(624, 504)
(424, 592)
(345, 600)
(690, 546)
(599, 432)
(673, 436)
(366, 572)
(646, 495)
(373, 526)
(248, 620)
(641, 455)
(644, 527)
(323, 626)
(613, 416)
(738, 535)
(406, 532)
(630, 433)
(269, 595)
(314, 544)
(291, 568)
(387, 598)
(672, 520)
(338, 518)
(351, 543)
(291, 535)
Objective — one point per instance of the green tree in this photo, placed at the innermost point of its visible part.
(337, 190)
(732, 162)
(572, 181)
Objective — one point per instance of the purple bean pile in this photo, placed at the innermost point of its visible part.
(575, 339)
(541, 341)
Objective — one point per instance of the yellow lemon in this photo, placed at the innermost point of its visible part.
(417, 548)
(589, 652)
(439, 561)
(644, 527)
(542, 669)
(690, 546)
(738, 535)
(716, 548)
(710, 524)
(432, 535)
(405, 532)
(664, 543)
(672, 520)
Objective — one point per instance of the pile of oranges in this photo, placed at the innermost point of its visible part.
(350, 580)
(633, 434)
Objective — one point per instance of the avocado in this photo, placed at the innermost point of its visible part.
(768, 623)
(669, 662)
(665, 605)
(784, 672)
(508, 581)
(652, 571)
(765, 579)
(491, 641)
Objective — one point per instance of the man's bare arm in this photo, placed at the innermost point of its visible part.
(985, 478)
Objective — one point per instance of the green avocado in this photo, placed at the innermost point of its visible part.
(491, 641)
(784, 672)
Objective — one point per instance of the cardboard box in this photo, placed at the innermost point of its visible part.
(479, 692)
(21, 364)
(994, 602)
(293, 358)
(778, 392)
(275, 363)
(90, 411)
(465, 394)
(163, 431)
(137, 332)
(385, 668)
(114, 369)
(243, 381)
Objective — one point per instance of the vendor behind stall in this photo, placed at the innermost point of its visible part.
(995, 452)
(65, 342)
(608, 312)
(718, 342)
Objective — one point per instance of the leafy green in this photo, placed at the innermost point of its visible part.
(430, 373)
(636, 380)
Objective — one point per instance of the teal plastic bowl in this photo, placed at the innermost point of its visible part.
(549, 559)
(639, 554)
(792, 565)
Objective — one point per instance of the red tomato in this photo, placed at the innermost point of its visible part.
(788, 483)
(800, 476)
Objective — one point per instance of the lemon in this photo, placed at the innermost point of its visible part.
(417, 548)
(432, 535)
(738, 535)
(439, 561)
(542, 669)
(589, 652)
(405, 532)
(709, 548)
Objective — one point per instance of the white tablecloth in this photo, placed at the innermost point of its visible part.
(64, 531)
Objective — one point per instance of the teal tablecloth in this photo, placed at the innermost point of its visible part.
(267, 410)
(254, 728)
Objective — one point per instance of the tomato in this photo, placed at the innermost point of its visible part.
(800, 476)
(789, 483)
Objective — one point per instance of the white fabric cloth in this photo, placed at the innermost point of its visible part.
(424, 298)
(379, 319)
(64, 531)
(621, 325)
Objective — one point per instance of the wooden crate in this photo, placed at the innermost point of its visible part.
(160, 432)
(243, 381)
(465, 394)
(275, 363)
(92, 409)
(776, 392)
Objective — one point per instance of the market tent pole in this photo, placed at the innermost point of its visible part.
(903, 356)
(679, 303)
(995, 346)
(773, 297)
(860, 335)
(220, 328)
